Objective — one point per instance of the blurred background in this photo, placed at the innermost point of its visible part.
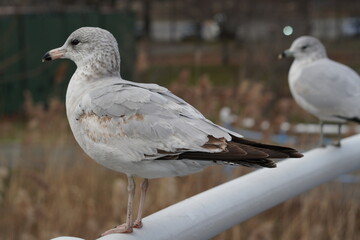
(220, 56)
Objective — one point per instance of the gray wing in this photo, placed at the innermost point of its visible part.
(148, 120)
(330, 87)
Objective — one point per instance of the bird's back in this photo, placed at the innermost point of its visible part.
(325, 88)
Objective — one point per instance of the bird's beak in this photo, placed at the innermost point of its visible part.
(53, 54)
(286, 53)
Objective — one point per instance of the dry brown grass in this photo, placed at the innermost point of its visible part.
(54, 189)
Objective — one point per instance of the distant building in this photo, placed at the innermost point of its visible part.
(332, 28)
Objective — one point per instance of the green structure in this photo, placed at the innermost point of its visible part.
(25, 38)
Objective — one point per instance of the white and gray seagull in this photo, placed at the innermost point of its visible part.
(325, 88)
(143, 130)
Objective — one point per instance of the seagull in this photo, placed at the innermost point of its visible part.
(327, 89)
(143, 130)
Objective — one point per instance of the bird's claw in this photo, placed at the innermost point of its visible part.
(123, 228)
(137, 224)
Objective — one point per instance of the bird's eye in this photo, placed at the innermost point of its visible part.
(304, 47)
(75, 42)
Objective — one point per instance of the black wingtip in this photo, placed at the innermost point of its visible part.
(281, 150)
(296, 154)
(351, 119)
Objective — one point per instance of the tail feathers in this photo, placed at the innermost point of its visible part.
(351, 119)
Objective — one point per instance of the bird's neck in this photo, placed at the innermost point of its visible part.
(315, 56)
(101, 65)
(93, 72)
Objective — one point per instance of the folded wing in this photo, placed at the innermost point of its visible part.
(150, 123)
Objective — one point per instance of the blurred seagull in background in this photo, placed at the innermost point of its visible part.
(325, 88)
(143, 130)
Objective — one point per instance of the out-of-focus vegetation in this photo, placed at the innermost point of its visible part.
(49, 187)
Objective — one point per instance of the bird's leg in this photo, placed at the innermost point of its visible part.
(338, 143)
(126, 227)
(144, 187)
(322, 143)
(131, 192)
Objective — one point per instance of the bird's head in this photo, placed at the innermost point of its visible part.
(90, 48)
(305, 48)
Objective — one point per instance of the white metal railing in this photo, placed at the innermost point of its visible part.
(209, 213)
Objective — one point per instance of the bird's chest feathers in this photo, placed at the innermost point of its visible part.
(295, 73)
(77, 89)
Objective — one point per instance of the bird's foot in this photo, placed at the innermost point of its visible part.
(123, 228)
(137, 224)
